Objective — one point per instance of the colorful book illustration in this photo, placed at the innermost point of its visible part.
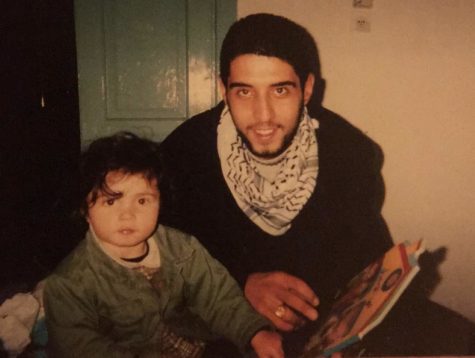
(366, 300)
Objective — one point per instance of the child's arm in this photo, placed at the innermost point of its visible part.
(215, 296)
(267, 344)
(73, 325)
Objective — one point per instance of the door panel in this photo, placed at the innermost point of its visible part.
(147, 65)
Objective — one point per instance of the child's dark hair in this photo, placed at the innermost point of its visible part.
(123, 151)
(273, 36)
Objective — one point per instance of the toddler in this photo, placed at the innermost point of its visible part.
(133, 287)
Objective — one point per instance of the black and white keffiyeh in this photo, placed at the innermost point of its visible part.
(270, 204)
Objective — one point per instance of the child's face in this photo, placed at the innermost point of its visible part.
(124, 223)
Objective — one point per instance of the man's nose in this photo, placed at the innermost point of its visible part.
(263, 109)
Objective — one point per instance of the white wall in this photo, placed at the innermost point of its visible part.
(409, 83)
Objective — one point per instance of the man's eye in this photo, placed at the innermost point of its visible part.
(244, 92)
(281, 91)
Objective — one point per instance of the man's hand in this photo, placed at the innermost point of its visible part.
(267, 344)
(282, 298)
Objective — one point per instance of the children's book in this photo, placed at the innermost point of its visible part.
(366, 300)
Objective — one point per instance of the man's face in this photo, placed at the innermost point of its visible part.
(265, 98)
(123, 223)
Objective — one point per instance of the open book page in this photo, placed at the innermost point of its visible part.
(366, 300)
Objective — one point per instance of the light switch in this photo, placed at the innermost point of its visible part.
(363, 3)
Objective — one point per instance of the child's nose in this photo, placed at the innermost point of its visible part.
(126, 212)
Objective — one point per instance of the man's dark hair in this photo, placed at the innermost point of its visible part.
(273, 36)
(124, 152)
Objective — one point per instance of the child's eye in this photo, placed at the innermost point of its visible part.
(143, 201)
(110, 202)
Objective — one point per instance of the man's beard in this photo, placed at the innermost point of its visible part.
(288, 138)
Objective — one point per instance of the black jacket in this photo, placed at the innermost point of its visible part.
(337, 233)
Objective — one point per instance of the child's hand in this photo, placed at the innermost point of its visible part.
(267, 344)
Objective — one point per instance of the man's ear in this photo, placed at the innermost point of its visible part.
(222, 89)
(308, 87)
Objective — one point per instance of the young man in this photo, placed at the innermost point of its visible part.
(132, 289)
(284, 193)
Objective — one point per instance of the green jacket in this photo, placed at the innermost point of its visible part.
(97, 308)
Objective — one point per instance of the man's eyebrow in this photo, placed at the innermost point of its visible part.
(277, 84)
(238, 84)
(284, 83)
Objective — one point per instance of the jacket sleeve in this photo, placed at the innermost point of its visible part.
(73, 325)
(215, 296)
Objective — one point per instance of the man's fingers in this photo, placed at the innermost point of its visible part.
(289, 316)
(284, 299)
(280, 324)
(293, 300)
(293, 283)
(296, 294)
(282, 315)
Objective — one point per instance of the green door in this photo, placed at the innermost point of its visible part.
(147, 65)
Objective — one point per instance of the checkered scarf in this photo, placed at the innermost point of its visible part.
(270, 205)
